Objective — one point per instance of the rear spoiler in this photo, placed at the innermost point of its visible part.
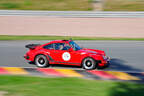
(31, 46)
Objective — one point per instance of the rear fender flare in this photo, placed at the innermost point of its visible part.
(47, 56)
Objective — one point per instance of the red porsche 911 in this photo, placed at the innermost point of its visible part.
(65, 52)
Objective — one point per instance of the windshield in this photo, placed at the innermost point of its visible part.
(74, 45)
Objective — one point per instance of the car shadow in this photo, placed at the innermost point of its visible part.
(120, 65)
(116, 64)
(64, 66)
(59, 65)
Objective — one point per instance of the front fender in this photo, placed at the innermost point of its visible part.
(94, 56)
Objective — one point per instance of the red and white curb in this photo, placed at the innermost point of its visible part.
(94, 74)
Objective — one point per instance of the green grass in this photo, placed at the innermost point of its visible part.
(82, 5)
(9, 5)
(38, 86)
(124, 5)
(13, 37)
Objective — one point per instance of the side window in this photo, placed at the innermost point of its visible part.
(50, 46)
(61, 46)
(66, 47)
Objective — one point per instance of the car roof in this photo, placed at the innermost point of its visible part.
(60, 41)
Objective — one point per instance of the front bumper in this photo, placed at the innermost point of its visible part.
(104, 62)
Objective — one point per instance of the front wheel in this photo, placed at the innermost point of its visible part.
(41, 61)
(89, 63)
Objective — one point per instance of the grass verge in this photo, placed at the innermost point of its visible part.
(12, 37)
(124, 5)
(81, 5)
(38, 86)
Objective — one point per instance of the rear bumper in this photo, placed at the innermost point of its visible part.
(26, 57)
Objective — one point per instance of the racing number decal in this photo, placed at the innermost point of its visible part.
(66, 56)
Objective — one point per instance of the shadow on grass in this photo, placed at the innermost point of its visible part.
(127, 89)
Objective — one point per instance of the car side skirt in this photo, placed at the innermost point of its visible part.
(65, 63)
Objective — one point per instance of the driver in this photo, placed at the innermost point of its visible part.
(61, 47)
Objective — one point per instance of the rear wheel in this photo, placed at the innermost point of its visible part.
(89, 63)
(41, 61)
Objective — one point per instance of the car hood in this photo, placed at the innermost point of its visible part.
(91, 51)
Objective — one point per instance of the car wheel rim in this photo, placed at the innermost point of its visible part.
(40, 61)
(88, 63)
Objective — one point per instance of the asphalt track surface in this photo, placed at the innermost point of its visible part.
(125, 55)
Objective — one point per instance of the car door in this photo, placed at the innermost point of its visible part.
(63, 54)
(57, 54)
(54, 52)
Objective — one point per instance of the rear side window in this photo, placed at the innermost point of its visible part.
(50, 46)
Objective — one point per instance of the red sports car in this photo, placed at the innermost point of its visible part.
(65, 52)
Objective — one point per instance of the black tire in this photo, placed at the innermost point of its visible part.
(89, 63)
(41, 61)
